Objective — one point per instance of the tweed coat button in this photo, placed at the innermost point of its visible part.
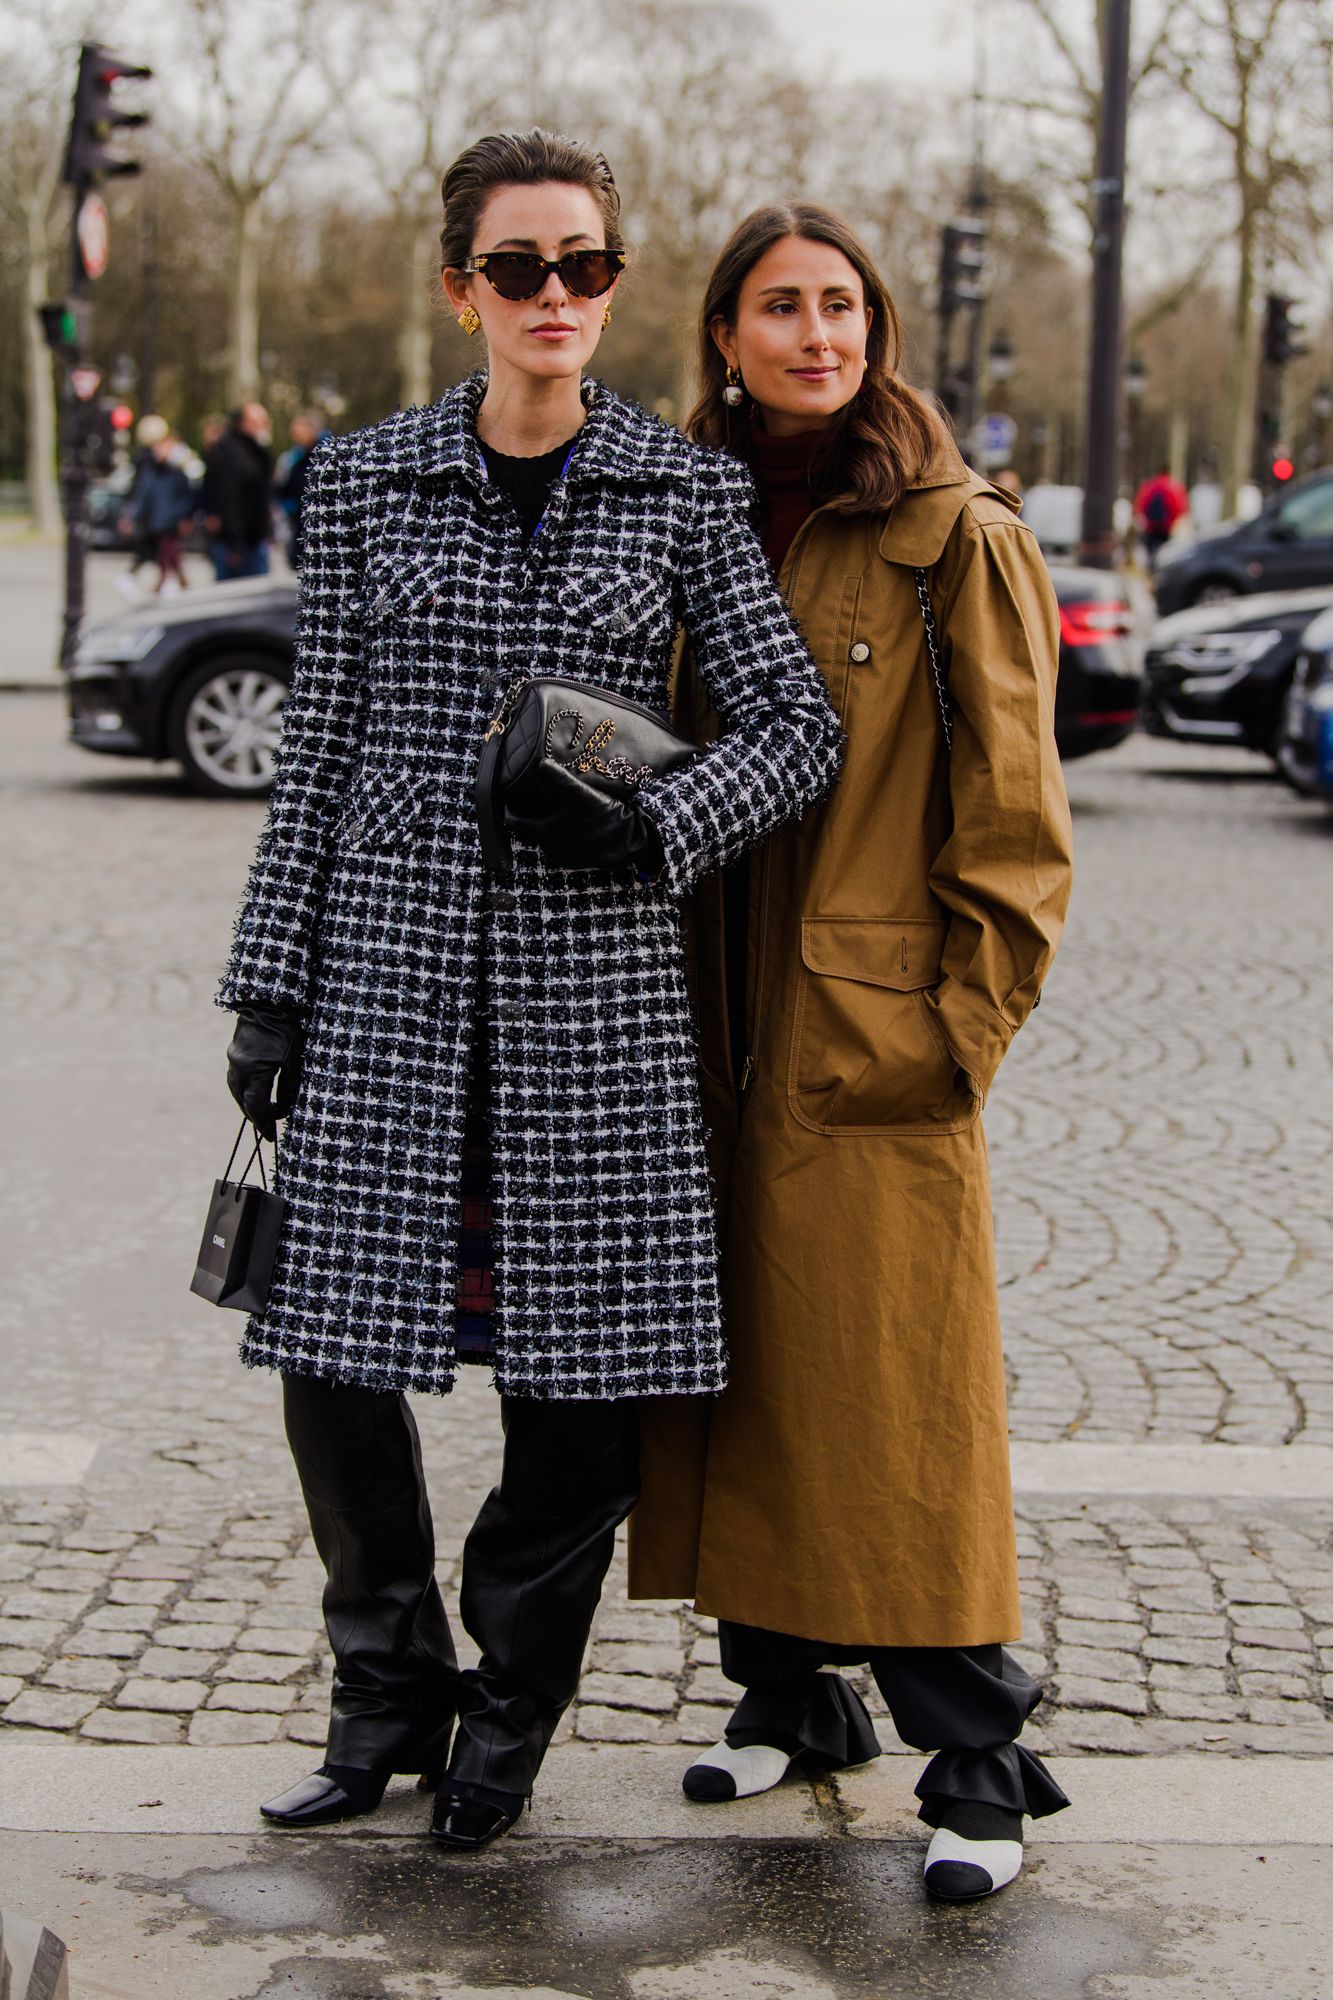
(860, 652)
(355, 830)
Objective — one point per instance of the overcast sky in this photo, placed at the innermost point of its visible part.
(918, 42)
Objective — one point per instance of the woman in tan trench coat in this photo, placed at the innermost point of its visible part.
(848, 1497)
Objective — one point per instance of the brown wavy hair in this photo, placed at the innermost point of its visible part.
(881, 441)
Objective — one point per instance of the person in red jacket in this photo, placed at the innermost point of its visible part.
(1158, 505)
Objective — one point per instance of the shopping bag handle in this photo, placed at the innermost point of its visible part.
(256, 1155)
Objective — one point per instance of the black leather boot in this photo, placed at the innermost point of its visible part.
(395, 1679)
(471, 1816)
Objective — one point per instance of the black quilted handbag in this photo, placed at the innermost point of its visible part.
(554, 739)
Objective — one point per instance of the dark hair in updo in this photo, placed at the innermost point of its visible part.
(520, 159)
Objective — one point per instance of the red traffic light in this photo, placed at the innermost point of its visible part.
(122, 416)
(90, 155)
(1283, 468)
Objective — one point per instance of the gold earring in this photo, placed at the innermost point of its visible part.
(606, 315)
(733, 395)
(470, 320)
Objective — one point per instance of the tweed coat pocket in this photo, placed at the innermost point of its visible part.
(409, 587)
(617, 603)
(383, 812)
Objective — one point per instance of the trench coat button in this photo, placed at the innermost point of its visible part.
(860, 652)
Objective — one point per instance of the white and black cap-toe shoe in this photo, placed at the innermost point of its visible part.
(963, 1871)
(725, 1773)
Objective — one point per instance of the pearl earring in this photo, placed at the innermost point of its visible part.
(733, 395)
(470, 320)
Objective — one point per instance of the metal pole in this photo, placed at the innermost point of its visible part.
(148, 334)
(1102, 477)
(73, 453)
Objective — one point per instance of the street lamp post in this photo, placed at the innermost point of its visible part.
(1103, 455)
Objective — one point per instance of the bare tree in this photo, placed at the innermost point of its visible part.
(426, 92)
(265, 96)
(1245, 66)
(692, 151)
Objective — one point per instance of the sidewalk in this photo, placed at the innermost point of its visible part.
(1169, 1877)
(1161, 1148)
(31, 584)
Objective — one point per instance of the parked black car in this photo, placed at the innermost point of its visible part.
(202, 677)
(1305, 756)
(1100, 687)
(1287, 546)
(1220, 674)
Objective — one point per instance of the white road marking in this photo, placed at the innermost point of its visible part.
(45, 1458)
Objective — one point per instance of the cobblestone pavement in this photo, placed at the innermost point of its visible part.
(1161, 1142)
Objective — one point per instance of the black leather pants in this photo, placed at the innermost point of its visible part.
(395, 1673)
(966, 1703)
(533, 1567)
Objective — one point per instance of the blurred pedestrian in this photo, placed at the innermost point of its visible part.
(163, 507)
(424, 1022)
(148, 434)
(1008, 481)
(236, 502)
(1159, 503)
(293, 468)
(847, 1498)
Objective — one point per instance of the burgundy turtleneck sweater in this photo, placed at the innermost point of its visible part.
(781, 466)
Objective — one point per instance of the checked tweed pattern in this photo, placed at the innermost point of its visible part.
(368, 907)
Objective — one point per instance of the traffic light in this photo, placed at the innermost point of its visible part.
(1282, 469)
(1282, 341)
(60, 326)
(962, 264)
(89, 152)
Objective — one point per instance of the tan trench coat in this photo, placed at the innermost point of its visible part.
(852, 1484)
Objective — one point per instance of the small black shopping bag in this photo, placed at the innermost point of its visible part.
(240, 1238)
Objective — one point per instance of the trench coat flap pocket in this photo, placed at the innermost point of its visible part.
(902, 953)
(403, 589)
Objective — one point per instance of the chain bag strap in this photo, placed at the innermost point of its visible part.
(936, 659)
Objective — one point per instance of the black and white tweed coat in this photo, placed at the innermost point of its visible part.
(368, 906)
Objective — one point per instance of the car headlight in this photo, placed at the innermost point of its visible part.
(116, 645)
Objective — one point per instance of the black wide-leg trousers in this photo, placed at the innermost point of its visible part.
(966, 1703)
(533, 1567)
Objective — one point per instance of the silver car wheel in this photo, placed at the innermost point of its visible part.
(233, 725)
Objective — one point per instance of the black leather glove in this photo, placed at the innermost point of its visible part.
(266, 1048)
(596, 833)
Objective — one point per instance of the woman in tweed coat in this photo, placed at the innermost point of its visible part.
(382, 980)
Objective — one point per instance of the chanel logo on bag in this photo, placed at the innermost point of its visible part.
(221, 1242)
(589, 757)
